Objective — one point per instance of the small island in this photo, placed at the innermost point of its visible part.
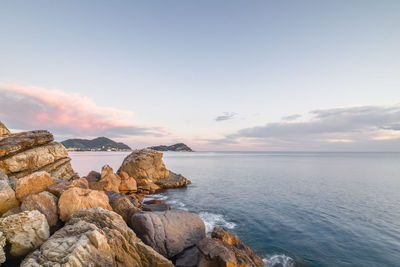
(97, 144)
(176, 147)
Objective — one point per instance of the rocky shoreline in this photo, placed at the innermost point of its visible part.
(52, 217)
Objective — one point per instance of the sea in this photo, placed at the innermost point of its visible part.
(291, 208)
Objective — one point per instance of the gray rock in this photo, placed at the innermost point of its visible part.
(156, 207)
(169, 232)
(190, 257)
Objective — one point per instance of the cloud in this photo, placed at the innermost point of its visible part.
(29, 107)
(291, 117)
(359, 127)
(226, 116)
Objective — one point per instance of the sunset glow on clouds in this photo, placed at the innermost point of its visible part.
(30, 107)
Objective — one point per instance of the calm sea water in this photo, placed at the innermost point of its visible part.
(310, 209)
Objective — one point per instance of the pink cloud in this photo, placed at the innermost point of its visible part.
(70, 113)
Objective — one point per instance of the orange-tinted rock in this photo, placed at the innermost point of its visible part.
(32, 184)
(128, 185)
(59, 188)
(77, 198)
(8, 200)
(154, 201)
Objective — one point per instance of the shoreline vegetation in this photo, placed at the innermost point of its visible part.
(51, 216)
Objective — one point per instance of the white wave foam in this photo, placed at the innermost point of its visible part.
(155, 196)
(211, 220)
(279, 260)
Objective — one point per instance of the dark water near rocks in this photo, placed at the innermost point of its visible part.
(314, 209)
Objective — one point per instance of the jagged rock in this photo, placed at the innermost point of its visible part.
(33, 158)
(128, 184)
(145, 163)
(173, 181)
(7, 197)
(169, 232)
(61, 169)
(2, 245)
(3, 130)
(107, 174)
(123, 206)
(147, 185)
(63, 186)
(95, 237)
(44, 202)
(156, 207)
(190, 257)
(25, 231)
(32, 184)
(77, 198)
(15, 143)
(225, 249)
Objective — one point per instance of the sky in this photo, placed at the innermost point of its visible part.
(216, 75)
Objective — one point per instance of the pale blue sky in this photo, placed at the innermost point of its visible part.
(178, 65)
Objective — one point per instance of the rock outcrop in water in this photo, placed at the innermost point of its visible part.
(51, 217)
(147, 167)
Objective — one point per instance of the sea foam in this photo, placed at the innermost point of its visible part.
(279, 260)
(212, 220)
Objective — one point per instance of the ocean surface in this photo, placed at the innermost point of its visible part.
(292, 209)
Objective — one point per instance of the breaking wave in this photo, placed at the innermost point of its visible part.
(279, 260)
(211, 220)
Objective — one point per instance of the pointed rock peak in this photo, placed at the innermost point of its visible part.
(3, 129)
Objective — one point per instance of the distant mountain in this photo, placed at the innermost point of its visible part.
(176, 147)
(98, 144)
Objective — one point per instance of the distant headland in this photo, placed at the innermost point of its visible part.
(97, 144)
(176, 147)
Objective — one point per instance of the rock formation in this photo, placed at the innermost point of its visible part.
(77, 198)
(2, 245)
(25, 231)
(7, 197)
(44, 202)
(225, 249)
(95, 237)
(24, 153)
(3, 129)
(32, 184)
(170, 232)
(147, 165)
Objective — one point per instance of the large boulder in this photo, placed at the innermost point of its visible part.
(95, 237)
(34, 158)
(32, 184)
(63, 186)
(145, 163)
(44, 202)
(225, 249)
(3, 130)
(7, 197)
(77, 198)
(24, 153)
(169, 232)
(128, 184)
(172, 181)
(15, 143)
(122, 205)
(2, 245)
(25, 231)
(107, 174)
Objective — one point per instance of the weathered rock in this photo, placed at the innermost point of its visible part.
(147, 185)
(33, 158)
(11, 212)
(225, 249)
(128, 185)
(169, 232)
(172, 181)
(93, 176)
(156, 207)
(77, 198)
(3, 130)
(61, 169)
(145, 163)
(63, 186)
(107, 174)
(44, 202)
(153, 201)
(7, 197)
(15, 143)
(190, 257)
(25, 231)
(95, 237)
(2, 245)
(123, 206)
(32, 184)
